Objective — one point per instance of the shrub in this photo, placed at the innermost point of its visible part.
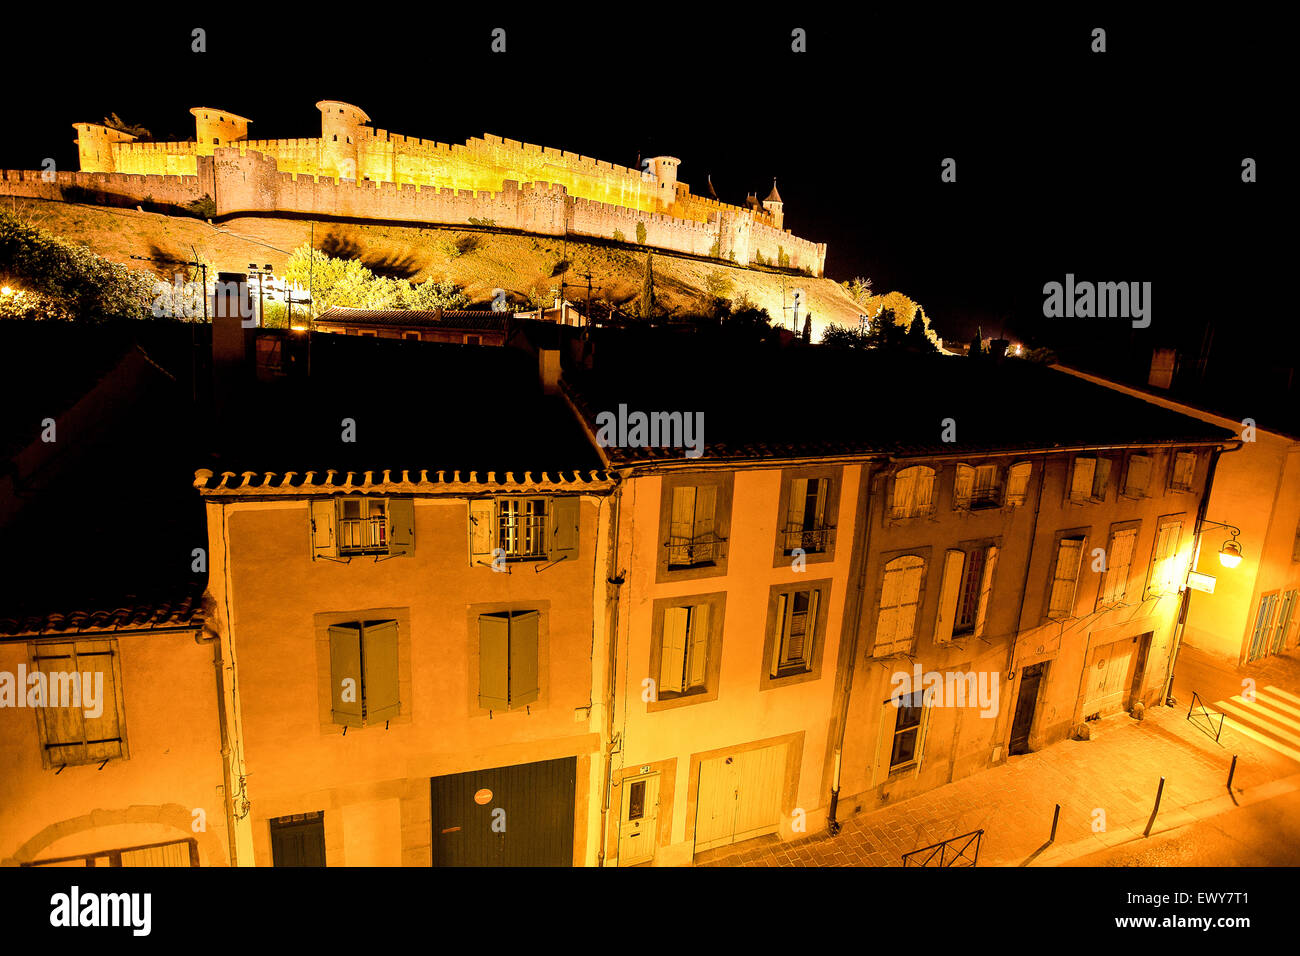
(618, 236)
(203, 208)
(640, 233)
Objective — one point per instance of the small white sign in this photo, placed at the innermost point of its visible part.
(1200, 581)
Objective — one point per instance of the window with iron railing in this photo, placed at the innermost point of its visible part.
(362, 526)
(692, 538)
(805, 525)
(521, 527)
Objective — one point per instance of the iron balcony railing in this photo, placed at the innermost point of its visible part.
(956, 851)
(522, 535)
(359, 535)
(684, 552)
(811, 540)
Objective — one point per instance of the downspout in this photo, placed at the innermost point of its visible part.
(833, 825)
(613, 583)
(1186, 599)
(213, 638)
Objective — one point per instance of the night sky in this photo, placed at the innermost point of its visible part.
(1122, 166)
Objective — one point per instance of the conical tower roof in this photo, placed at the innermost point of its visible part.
(773, 196)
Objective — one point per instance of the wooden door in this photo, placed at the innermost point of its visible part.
(1109, 677)
(638, 822)
(1026, 704)
(739, 796)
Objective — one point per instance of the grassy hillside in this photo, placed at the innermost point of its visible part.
(518, 264)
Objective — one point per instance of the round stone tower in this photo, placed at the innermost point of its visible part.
(664, 169)
(213, 128)
(341, 127)
(95, 146)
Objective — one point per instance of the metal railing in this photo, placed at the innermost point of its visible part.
(1200, 711)
(811, 540)
(522, 535)
(959, 845)
(686, 552)
(363, 534)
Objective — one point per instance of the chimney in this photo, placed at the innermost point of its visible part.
(548, 370)
(232, 322)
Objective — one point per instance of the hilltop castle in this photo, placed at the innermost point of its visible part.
(354, 170)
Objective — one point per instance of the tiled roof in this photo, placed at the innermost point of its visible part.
(474, 319)
(186, 611)
(252, 483)
(810, 402)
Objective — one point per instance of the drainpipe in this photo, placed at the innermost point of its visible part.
(613, 583)
(833, 825)
(213, 638)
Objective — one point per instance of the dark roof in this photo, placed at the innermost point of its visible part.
(186, 611)
(773, 196)
(765, 403)
(429, 407)
(476, 319)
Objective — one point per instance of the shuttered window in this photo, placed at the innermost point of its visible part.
(1184, 470)
(364, 673)
(1065, 576)
(355, 526)
(1081, 481)
(508, 659)
(70, 735)
(1119, 561)
(913, 492)
(905, 746)
(692, 540)
(523, 529)
(796, 622)
(1138, 477)
(805, 519)
(683, 661)
(900, 595)
(1166, 564)
(1018, 483)
(975, 486)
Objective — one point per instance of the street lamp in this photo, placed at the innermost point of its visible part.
(1230, 554)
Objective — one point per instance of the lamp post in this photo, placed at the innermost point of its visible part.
(262, 274)
(1230, 554)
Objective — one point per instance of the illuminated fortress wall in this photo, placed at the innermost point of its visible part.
(354, 170)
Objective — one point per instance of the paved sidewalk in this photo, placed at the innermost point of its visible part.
(1117, 772)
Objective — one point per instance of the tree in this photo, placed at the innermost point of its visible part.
(640, 233)
(916, 339)
(859, 290)
(843, 337)
(717, 284)
(807, 329)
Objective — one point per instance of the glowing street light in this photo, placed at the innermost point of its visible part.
(1230, 554)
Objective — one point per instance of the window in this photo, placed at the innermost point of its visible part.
(684, 652)
(1065, 576)
(796, 623)
(905, 747)
(1018, 483)
(1166, 564)
(80, 718)
(805, 520)
(1282, 630)
(900, 595)
(363, 672)
(1138, 477)
(691, 538)
(523, 529)
(1119, 561)
(508, 666)
(1090, 479)
(354, 526)
(913, 492)
(1183, 471)
(473, 340)
(411, 336)
(1259, 634)
(964, 593)
(976, 487)
(298, 840)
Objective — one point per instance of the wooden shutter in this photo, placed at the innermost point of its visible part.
(887, 620)
(323, 539)
(493, 661)
(672, 653)
(1101, 478)
(682, 522)
(1069, 553)
(1118, 564)
(924, 493)
(819, 509)
(962, 486)
(103, 733)
(949, 590)
(910, 599)
(778, 638)
(482, 528)
(986, 589)
(379, 652)
(524, 648)
(1018, 482)
(564, 528)
(401, 526)
(810, 627)
(927, 705)
(797, 506)
(904, 492)
(699, 644)
(345, 664)
(1184, 469)
(1081, 482)
(706, 500)
(1138, 478)
(64, 727)
(884, 743)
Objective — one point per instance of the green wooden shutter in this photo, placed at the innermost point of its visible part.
(401, 526)
(103, 733)
(379, 651)
(64, 727)
(884, 743)
(1018, 482)
(810, 628)
(699, 644)
(794, 513)
(1139, 476)
(345, 664)
(524, 647)
(778, 639)
(904, 493)
(706, 500)
(323, 539)
(493, 662)
(963, 486)
(482, 528)
(1101, 478)
(1081, 481)
(682, 522)
(986, 589)
(672, 654)
(564, 528)
(891, 585)
(949, 590)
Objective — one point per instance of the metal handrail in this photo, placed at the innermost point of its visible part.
(699, 549)
(941, 850)
(812, 540)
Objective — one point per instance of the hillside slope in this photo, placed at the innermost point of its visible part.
(519, 264)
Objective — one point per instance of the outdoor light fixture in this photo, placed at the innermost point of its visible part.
(1231, 552)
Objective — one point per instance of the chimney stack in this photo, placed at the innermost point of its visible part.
(232, 320)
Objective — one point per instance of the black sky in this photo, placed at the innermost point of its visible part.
(1122, 166)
